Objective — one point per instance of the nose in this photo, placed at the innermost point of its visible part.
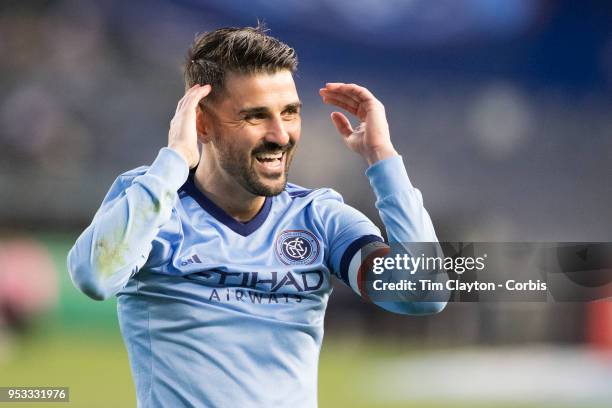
(277, 132)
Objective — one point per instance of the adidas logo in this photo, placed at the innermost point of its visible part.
(190, 260)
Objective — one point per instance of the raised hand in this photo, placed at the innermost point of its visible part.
(371, 139)
(183, 135)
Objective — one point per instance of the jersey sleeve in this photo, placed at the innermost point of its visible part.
(354, 238)
(118, 241)
(400, 205)
(347, 230)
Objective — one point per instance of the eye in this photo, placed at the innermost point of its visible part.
(291, 112)
(254, 116)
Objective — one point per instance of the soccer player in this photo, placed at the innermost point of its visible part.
(222, 270)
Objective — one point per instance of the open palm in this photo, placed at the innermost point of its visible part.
(371, 139)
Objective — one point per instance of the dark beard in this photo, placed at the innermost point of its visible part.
(238, 167)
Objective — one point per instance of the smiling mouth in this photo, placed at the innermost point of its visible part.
(271, 162)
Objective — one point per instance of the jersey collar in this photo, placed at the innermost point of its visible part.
(242, 228)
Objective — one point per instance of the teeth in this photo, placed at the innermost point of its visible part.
(268, 156)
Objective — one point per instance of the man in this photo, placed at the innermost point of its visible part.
(221, 268)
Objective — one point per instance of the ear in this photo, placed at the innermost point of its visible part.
(202, 126)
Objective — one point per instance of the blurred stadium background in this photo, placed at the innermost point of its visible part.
(501, 109)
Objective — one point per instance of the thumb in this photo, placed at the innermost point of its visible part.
(342, 124)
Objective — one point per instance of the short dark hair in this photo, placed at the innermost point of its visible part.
(243, 50)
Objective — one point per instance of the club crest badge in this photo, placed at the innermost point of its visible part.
(297, 247)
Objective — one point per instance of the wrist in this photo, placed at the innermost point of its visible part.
(376, 155)
(177, 149)
(184, 153)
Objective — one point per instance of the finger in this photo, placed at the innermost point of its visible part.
(340, 104)
(333, 101)
(342, 124)
(338, 88)
(193, 98)
(188, 92)
(359, 93)
(339, 96)
(198, 95)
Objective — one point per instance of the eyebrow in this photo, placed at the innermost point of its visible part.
(264, 109)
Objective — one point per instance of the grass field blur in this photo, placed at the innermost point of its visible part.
(94, 365)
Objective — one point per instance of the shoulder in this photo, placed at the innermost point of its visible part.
(323, 202)
(317, 195)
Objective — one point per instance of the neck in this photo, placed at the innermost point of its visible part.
(226, 193)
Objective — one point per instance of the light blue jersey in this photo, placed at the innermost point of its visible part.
(220, 313)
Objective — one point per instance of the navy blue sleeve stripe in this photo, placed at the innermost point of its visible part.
(350, 252)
